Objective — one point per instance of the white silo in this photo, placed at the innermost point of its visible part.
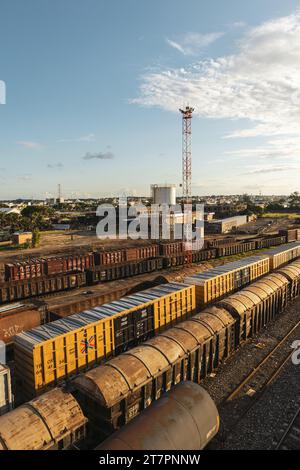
(164, 194)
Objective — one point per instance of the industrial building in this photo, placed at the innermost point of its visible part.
(19, 238)
(225, 225)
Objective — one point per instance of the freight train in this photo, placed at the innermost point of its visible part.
(49, 354)
(185, 418)
(38, 424)
(114, 393)
(39, 277)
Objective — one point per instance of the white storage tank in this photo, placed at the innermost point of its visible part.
(6, 396)
(164, 194)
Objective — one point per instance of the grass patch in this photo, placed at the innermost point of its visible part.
(277, 215)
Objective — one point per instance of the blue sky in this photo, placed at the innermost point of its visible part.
(93, 87)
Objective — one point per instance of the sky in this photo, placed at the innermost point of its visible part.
(93, 90)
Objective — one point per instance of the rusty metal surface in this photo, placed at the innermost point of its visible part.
(279, 279)
(40, 423)
(16, 322)
(153, 359)
(249, 297)
(185, 418)
(235, 304)
(168, 347)
(104, 384)
(214, 323)
(291, 272)
(186, 341)
(267, 286)
(200, 332)
(260, 291)
(221, 314)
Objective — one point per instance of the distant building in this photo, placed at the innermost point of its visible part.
(61, 226)
(225, 209)
(10, 210)
(209, 215)
(225, 225)
(51, 201)
(19, 238)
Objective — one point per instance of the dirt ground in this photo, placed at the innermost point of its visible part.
(68, 241)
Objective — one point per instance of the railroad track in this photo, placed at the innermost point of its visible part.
(291, 437)
(255, 384)
(264, 374)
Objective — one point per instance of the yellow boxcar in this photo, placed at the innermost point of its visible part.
(48, 354)
(283, 254)
(214, 283)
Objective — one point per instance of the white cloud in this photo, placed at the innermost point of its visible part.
(276, 148)
(239, 24)
(260, 82)
(193, 43)
(26, 177)
(175, 45)
(261, 170)
(84, 138)
(29, 144)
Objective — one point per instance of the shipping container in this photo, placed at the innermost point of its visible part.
(217, 282)
(48, 354)
(6, 396)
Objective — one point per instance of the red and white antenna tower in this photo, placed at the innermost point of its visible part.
(187, 153)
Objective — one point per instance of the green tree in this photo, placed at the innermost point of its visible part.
(294, 199)
(36, 237)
